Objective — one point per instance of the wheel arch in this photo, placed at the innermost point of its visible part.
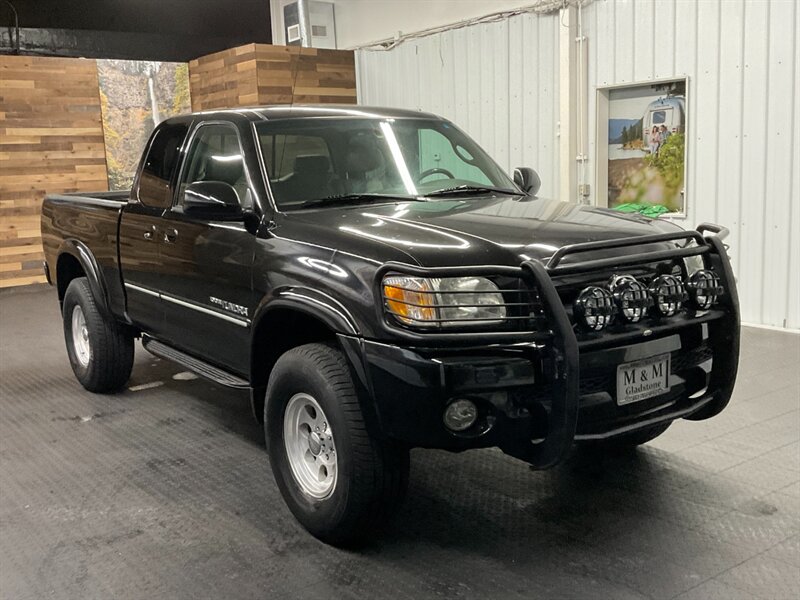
(293, 318)
(76, 260)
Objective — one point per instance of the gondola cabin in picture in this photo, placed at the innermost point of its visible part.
(669, 111)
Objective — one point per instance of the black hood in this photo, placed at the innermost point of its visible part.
(480, 231)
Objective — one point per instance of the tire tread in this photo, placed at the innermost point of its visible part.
(112, 347)
(381, 466)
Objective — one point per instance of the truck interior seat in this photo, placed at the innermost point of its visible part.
(363, 156)
(311, 179)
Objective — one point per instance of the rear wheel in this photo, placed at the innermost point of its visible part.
(100, 350)
(338, 480)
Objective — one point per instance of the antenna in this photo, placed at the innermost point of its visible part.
(296, 73)
(291, 104)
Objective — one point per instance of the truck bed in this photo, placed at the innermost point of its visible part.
(118, 197)
(88, 224)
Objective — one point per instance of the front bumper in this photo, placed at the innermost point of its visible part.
(537, 398)
(515, 394)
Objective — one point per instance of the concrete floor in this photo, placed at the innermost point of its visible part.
(164, 491)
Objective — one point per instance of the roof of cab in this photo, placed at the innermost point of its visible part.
(304, 111)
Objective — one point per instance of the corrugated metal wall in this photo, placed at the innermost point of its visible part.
(500, 83)
(743, 63)
(497, 81)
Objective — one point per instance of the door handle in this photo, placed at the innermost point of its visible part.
(170, 235)
(148, 235)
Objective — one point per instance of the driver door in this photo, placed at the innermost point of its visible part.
(207, 263)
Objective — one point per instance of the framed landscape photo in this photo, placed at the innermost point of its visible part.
(135, 96)
(641, 147)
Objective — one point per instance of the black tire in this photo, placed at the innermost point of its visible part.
(110, 356)
(629, 441)
(372, 475)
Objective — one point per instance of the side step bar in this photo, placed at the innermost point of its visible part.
(195, 365)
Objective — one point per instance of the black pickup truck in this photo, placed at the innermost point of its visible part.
(379, 283)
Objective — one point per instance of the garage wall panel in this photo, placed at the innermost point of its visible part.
(741, 58)
(51, 141)
(625, 38)
(497, 81)
(781, 126)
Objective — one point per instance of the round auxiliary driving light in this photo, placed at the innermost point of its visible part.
(704, 288)
(668, 295)
(594, 308)
(631, 297)
(460, 415)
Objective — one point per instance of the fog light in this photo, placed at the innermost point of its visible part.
(704, 288)
(460, 415)
(668, 295)
(631, 297)
(594, 308)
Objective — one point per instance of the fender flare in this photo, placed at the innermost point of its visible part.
(84, 256)
(313, 303)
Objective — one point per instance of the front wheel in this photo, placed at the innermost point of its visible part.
(339, 481)
(100, 350)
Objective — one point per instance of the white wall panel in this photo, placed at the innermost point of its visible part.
(793, 264)
(497, 81)
(741, 58)
(360, 22)
(664, 38)
(782, 127)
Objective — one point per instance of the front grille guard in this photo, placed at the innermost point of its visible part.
(561, 342)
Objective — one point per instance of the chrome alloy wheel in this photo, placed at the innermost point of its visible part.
(80, 337)
(310, 449)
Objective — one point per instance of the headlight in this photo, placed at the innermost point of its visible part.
(443, 302)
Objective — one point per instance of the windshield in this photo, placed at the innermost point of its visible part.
(310, 160)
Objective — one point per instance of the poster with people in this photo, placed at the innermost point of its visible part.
(647, 148)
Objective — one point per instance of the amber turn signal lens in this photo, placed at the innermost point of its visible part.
(439, 302)
(410, 300)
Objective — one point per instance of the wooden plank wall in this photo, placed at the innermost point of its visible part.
(258, 74)
(318, 76)
(51, 132)
(224, 79)
(51, 141)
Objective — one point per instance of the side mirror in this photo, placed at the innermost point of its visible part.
(528, 180)
(212, 200)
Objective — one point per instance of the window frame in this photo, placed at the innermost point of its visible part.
(190, 138)
(137, 182)
(599, 196)
(662, 111)
(262, 168)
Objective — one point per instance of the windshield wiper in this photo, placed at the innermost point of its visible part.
(357, 198)
(463, 190)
